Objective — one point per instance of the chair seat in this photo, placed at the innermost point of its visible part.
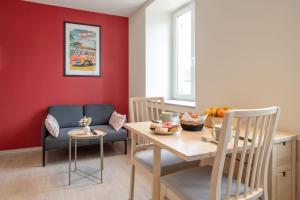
(169, 162)
(194, 184)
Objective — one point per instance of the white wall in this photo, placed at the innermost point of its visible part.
(137, 53)
(248, 55)
(158, 50)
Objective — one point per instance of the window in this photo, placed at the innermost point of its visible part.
(184, 71)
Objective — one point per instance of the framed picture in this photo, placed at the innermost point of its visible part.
(82, 55)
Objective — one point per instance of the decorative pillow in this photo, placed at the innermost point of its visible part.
(52, 125)
(117, 120)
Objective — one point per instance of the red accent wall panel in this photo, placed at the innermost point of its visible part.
(31, 68)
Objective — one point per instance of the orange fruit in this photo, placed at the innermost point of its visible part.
(226, 108)
(207, 111)
(214, 111)
(221, 112)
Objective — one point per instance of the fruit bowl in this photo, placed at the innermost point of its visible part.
(191, 126)
(215, 114)
(209, 123)
(192, 122)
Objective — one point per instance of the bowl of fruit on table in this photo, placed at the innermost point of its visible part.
(192, 121)
(215, 114)
(164, 128)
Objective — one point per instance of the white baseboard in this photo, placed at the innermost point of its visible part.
(13, 151)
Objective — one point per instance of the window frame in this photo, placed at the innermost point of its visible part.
(175, 95)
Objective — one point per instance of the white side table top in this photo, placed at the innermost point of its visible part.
(80, 134)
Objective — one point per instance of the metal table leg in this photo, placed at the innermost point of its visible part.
(75, 160)
(101, 158)
(70, 157)
(75, 154)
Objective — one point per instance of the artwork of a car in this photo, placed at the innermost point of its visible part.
(83, 57)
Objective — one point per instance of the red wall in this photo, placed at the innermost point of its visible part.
(31, 68)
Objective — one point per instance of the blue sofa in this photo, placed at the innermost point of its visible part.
(68, 117)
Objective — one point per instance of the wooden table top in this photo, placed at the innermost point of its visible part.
(79, 134)
(190, 145)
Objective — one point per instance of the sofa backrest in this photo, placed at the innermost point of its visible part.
(67, 115)
(100, 113)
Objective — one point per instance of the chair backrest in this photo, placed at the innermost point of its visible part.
(253, 133)
(145, 108)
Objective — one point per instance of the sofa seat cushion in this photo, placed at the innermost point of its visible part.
(62, 141)
(111, 134)
(67, 115)
(169, 162)
(100, 113)
(194, 184)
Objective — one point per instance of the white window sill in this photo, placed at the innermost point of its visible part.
(181, 103)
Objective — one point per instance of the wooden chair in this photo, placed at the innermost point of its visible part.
(253, 140)
(146, 109)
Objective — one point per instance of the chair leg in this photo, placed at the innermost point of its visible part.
(132, 177)
(265, 195)
(125, 148)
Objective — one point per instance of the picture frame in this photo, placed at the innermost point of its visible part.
(82, 49)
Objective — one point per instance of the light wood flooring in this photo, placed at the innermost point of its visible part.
(22, 177)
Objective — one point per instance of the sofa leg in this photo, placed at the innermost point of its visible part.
(44, 157)
(125, 144)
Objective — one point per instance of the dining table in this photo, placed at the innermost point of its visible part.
(187, 145)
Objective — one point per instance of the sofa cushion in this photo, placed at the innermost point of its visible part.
(62, 141)
(100, 113)
(117, 120)
(67, 115)
(52, 125)
(112, 134)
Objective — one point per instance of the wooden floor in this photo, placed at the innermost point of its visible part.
(22, 177)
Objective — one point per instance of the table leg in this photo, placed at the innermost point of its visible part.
(101, 158)
(70, 161)
(156, 172)
(132, 166)
(75, 154)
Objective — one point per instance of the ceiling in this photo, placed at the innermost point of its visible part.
(168, 5)
(114, 7)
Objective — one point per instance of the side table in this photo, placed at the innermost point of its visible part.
(78, 134)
